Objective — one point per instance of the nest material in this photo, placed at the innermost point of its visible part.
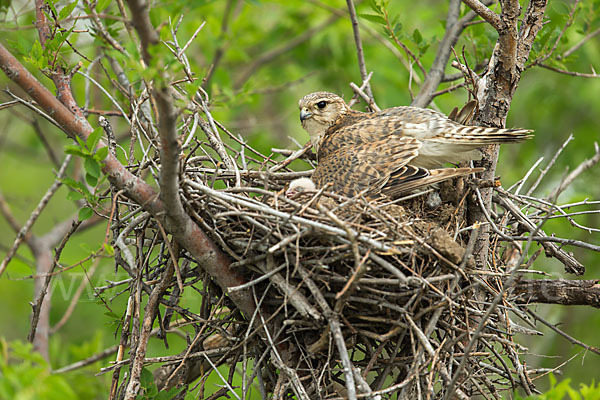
(396, 281)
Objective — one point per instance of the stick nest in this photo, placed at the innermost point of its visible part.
(386, 296)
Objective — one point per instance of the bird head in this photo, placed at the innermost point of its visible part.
(300, 185)
(319, 111)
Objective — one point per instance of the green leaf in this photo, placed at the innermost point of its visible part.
(74, 196)
(85, 213)
(73, 184)
(36, 51)
(146, 378)
(67, 10)
(75, 150)
(94, 138)
(397, 29)
(109, 249)
(81, 143)
(376, 6)
(373, 18)
(417, 37)
(52, 6)
(168, 395)
(91, 180)
(112, 315)
(101, 5)
(101, 154)
(92, 167)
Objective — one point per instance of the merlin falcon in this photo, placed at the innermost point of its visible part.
(393, 151)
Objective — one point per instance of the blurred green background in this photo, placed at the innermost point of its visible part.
(271, 54)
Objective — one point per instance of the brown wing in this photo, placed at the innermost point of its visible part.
(357, 128)
(351, 164)
(409, 178)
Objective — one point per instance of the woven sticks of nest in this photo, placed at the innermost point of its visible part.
(355, 298)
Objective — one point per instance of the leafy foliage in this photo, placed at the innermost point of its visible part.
(261, 109)
(25, 374)
(563, 390)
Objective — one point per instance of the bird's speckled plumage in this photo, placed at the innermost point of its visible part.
(390, 151)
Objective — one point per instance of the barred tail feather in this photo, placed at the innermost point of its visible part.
(485, 135)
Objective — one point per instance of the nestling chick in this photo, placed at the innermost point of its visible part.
(300, 185)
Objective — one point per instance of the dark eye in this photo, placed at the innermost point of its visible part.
(322, 104)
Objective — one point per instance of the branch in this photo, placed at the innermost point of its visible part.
(570, 263)
(560, 332)
(276, 52)
(170, 149)
(454, 28)
(37, 307)
(60, 77)
(206, 253)
(359, 50)
(559, 291)
(570, 73)
(491, 17)
(587, 164)
(495, 92)
(143, 26)
(150, 312)
(34, 215)
(220, 51)
(579, 44)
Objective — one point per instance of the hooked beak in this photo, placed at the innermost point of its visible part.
(304, 114)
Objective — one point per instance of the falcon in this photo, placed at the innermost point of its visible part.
(393, 151)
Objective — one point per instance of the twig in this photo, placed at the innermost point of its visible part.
(586, 164)
(550, 164)
(484, 12)
(377, 245)
(490, 309)
(454, 27)
(370, 102)
(359, 50)
(563, 334)
(577, 46)
(88, 361)
(35, 215)
(276, 52)
(294, 156)
(42, 293)
(570, 73)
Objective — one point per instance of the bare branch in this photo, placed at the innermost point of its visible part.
(570, 73)
(563, 334)
(585, 165)
(276, 52)
(491, 17)
(550, 164)
(559, 291)
(577, 46)
(194, 240)
(34, 215)
(359, 50)
(142, 24)
(150, 312)
(454, 28)
(37, 308)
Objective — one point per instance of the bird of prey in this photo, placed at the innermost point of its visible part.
(393, 151)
